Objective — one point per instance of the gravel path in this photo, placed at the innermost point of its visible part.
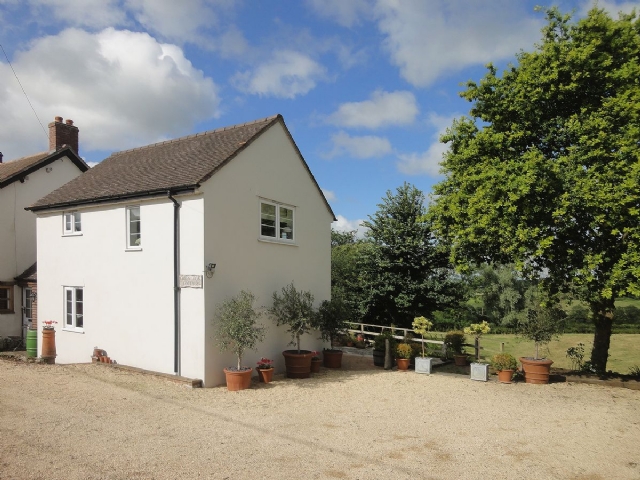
(95, 422)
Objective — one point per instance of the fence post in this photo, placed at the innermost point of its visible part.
(501, 346)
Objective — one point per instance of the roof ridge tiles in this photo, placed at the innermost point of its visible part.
(199, 134)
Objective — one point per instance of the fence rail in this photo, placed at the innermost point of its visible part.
(378, 329)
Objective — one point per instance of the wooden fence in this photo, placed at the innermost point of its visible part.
(372, 331)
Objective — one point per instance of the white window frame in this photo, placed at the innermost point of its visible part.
(75, 221)
(138, 245)
(278, 238)
(70, 294)
(10, 299)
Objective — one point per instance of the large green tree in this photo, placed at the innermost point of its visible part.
(408, 272)
(545, 171)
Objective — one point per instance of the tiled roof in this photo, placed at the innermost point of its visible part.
(17, 169)
(29, 275)
(180, 164)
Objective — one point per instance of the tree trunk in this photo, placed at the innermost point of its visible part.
(603, 319)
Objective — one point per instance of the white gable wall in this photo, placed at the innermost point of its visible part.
(269, 168)
(128, 295)
(18, 228)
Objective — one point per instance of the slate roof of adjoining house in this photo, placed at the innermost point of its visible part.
(17, 169)
(176, 165)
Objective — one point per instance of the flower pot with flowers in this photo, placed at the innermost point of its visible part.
(403, 356)
(294, 309)
(422, 326)
(505, 364)
(455, 340)
(48, 354)
(237, 330)
(330, 321)
(265, 370)
(315, 362)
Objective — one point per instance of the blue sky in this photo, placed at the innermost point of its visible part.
(365, 86)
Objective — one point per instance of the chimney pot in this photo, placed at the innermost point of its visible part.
(58, 119)
(63, 134)
(1, 157)
(69, 122)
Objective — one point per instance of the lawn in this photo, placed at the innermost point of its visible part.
(624, 351)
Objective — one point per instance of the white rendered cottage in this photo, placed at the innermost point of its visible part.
(168, 232)
(22, 182)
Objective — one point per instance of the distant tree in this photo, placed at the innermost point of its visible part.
(545, 171)
(339, 238)
(409, 272)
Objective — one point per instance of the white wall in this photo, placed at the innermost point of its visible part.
(128, 295)
(18, 228)
(268, 168)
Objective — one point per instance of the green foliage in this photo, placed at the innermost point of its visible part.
(576, 356)
(331, 318)
(477, 329)
(422, 326)
(350, 263)
(236, 327)
(408, 271)
(542, 323)
(404, 350)
(379, 341)
(504, 361)
(544, 172)
(294, 309)
(455, 340)
(342, 238)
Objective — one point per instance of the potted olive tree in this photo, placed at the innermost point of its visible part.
(422, 326)
(237, 330)
(331, 322)
(294, 309)
(540, 325)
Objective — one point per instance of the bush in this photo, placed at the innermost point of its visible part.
(454, 341)
(504, 361)
(378, 342)
(404, 350)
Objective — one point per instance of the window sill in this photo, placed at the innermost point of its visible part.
(79, 234)
(277, 241)
(73, 330)
(133, 249)
(7, 312)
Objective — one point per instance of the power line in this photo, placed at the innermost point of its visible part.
(23, 91)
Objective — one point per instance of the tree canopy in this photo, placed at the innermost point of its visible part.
(545, 170)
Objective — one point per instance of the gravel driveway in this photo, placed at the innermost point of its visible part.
(95, 422)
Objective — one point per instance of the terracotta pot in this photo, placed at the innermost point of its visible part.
(265, 374)
(460, 360)
(238, 380)
(403, 363)
(315, 365)
(505, 376)
(49, 345)
(536, 371)
(297, 365)
(332, 358)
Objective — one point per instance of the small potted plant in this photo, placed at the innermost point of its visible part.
(331, 322)
(455, 340)
(315, 362)
(403, 356)
(265, 370)
(540, 326)
(379, 347)
(295, 310)
(505, 364)
(237, 330)
(422, 326)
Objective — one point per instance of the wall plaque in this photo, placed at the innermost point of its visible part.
(190, 281)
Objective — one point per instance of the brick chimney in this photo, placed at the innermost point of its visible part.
(1, 157)
(61, 134)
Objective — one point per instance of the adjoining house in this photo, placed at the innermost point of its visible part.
(135, 255)
(22, 182)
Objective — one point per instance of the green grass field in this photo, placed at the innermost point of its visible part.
(624, 351)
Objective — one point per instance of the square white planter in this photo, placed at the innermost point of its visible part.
(423, 364)
(480, 372)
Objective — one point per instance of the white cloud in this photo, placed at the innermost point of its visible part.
(122, 89)
(611, 7)
(427, 40)
(329, 195)
(80, 13)
(286, 74)
(346, 13)
(366, 146)
(427, 162)
(342, 224)
(383, 109)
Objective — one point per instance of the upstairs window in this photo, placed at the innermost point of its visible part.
(6, 298)
(72, 223)
(276, 222)
(73, 308)
(134, 238)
